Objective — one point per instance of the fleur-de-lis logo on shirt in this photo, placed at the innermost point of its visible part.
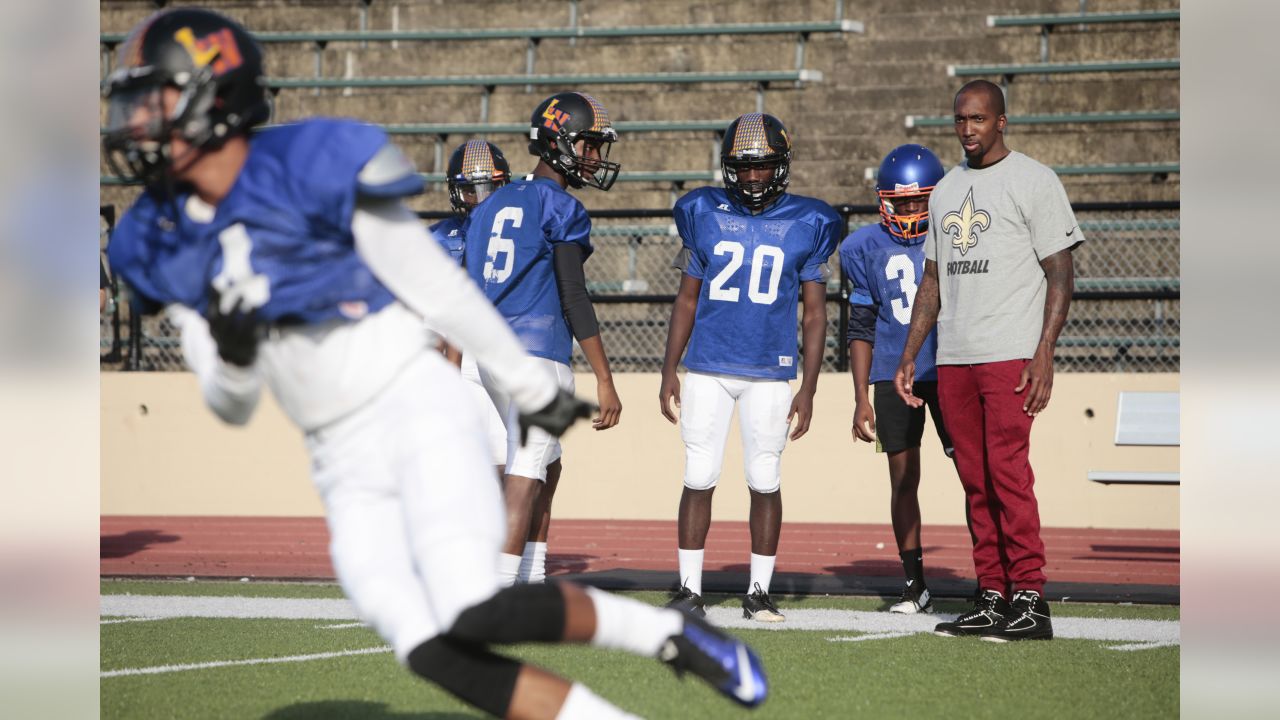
(963, 226)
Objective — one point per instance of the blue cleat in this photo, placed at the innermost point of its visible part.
(725, 662)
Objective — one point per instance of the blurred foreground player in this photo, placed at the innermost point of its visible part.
(883, 263)
(751, 250)
(287, 257)
(526, 247)
(476, 168)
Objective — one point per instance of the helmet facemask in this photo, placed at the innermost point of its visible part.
(758, 193)
(470, 190)
(587, 169)
(904, 226)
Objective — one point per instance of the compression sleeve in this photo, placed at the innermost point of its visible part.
(862, 324)
(572, 284)
(231, 392)
(405, 258)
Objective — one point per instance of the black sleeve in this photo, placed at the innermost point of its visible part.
(572, 284)
(862, 324)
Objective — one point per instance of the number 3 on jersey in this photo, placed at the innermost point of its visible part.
(764, 254)
(901, 268)
(501, 246)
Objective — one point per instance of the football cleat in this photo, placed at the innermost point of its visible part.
(913, 602)
(1027, 619)
(988, 613)
(759, 607)
(686, 599)
(723, 661)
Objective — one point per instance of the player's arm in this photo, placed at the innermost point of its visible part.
(678, 331)
(924, 315)
(861, 337)
(1059, 271)
(813, 331)
(451, 353)
(571, 282)
(231, 390)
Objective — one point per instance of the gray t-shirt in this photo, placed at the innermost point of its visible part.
(988, 230)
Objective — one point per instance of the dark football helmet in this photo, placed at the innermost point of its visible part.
(476, 169)
(907, 171)
(213, 63)
(756, 140)
(556, 126)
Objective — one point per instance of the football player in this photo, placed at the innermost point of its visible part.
(526, 246)
(750, 251)
(883, 262)
(287, 257)
(476, 168)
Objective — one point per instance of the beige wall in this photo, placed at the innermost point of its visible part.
(163, 453)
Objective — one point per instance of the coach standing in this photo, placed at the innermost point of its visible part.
(997, 283)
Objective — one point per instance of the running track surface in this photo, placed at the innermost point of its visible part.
(1084, 564)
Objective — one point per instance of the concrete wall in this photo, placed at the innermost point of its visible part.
(164, 454)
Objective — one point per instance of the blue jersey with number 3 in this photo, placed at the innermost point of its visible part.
(280, 241)
(451, 233)
(751, 267)
(885, 273)
(510, 243)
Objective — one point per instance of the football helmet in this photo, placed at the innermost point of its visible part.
(556, 126)
(476, 169)
(756, 140)
(213, 63)
(907, 171)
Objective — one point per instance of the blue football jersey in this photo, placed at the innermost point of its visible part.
(885, 273)
(281, 239)
(751, 267)
(509, 253)
(452, 234)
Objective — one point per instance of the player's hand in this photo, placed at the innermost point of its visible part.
(1037, 380)
(864, 422)
(235, 331)
(904, 380)
(669, 390)
(610, 406)
(563, 410)
(802, 411)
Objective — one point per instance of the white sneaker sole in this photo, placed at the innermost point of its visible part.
(910, 608)
(765, 616)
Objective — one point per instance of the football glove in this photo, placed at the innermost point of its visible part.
(563, 410)
(236, 333)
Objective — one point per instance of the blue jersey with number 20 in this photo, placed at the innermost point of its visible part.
(510, 243)
(751, 267)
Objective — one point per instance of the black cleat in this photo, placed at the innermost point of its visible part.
(759, 607)
(686, 599)
(915, 599)
(1027, 619)
(989, 611)
(725, 662)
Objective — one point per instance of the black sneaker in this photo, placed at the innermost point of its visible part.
(725, 662)
(1027, 619)
(915, 599)
(759, 607)
(686, 599)
(989, 611)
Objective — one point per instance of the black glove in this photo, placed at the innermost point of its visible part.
(236, 333)
(557, 416)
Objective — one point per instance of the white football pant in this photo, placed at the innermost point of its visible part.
(706, 409)
(542, 448)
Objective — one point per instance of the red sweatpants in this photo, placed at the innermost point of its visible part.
(992, 438)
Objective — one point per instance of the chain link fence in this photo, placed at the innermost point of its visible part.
(1125, 316)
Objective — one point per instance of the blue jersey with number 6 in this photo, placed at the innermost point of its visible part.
(280, 242)
(885, 273)
(751, 267)
(510, 241)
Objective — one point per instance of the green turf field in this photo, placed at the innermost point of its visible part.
(1119, 664)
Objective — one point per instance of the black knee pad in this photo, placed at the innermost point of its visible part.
(469, 672)
(521, 613)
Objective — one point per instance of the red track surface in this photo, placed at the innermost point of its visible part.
(298, 548)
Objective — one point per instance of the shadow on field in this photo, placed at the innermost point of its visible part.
(568, 563)
(357, 709)
(118, 546)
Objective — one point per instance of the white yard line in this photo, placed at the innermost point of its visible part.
(114, 621)
(160, 669)
(869, 636)
(341, 626)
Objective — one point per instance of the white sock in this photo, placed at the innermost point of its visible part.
(533, 564)
(582, 704)
(691, 569)
(508, 568)
(761, 572)
(630, 625)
